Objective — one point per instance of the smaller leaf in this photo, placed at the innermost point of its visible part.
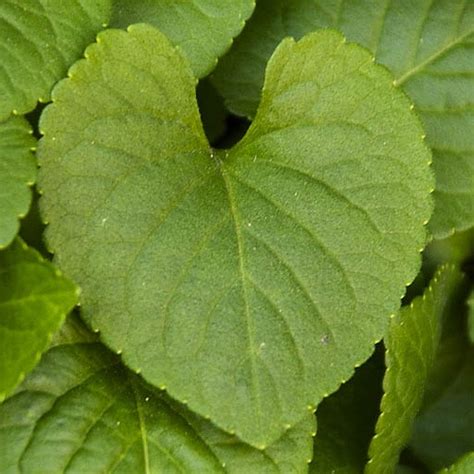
(203, 30)
(81, 410)
(411, 347)
(17, 174)
(465, 465)
(40, 40)
(34, 300)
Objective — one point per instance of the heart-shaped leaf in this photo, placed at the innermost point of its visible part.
(34, 300)
(427, 45)
(82, 411)
(17, 174)
(39, 41)
(411, 346)
(202, 29)
(235, 279)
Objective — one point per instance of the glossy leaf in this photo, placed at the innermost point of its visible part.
(40, 39)
(82, 411)
(411, 346)
(34, 300)
(429, 47)
(202, 29)
(17, 174)
(234, 279)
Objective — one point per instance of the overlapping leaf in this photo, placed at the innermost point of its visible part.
(82, 411)
(429, 47)
(202, 29)
(411, 346)
(346, 422)
(465, 465)
(34, 300)
(17, 174)
(443, 432)
(248, 282)
(39, 40)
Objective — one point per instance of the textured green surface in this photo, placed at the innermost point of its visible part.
(39, 40)
(202, 29)
(81, 411)
(346, 421)
(411, 346)
(235, 279)
(429, 47)
(17, 174)
(443, 430)
(34, 300)
(465, 465)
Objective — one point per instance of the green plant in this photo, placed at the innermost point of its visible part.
(232, 278)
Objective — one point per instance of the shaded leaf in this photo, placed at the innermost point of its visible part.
(411, 346)
(202, 29)
(17, 174)
(428, 45)
(234, 279)
(443, 430)
(82, 411)
(34, 300)
(40, 39)
(346, 421)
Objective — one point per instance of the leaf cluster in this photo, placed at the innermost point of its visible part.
(236, 237)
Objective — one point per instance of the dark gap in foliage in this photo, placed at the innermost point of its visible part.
(408, 459)
(32, 227)
(223, 129)
(33, 118)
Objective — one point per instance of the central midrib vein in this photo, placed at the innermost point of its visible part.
(249, 320)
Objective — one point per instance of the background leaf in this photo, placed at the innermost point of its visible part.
(428, 45)
(346, 421)
(202, 29)
(82, 411)
(234, 279)
(40, 39)
(443, 429)
(464, 466)
(34, 300)
(411, 346)
(17, 174)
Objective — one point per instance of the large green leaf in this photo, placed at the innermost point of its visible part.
(34, 300)
(17, 174)
(429, 47)
(411, 346)
(39, 40)
(346, 421)
(202, 29)
(234, 279)
(82, 411)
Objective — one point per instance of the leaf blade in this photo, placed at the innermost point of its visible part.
(34, 301)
